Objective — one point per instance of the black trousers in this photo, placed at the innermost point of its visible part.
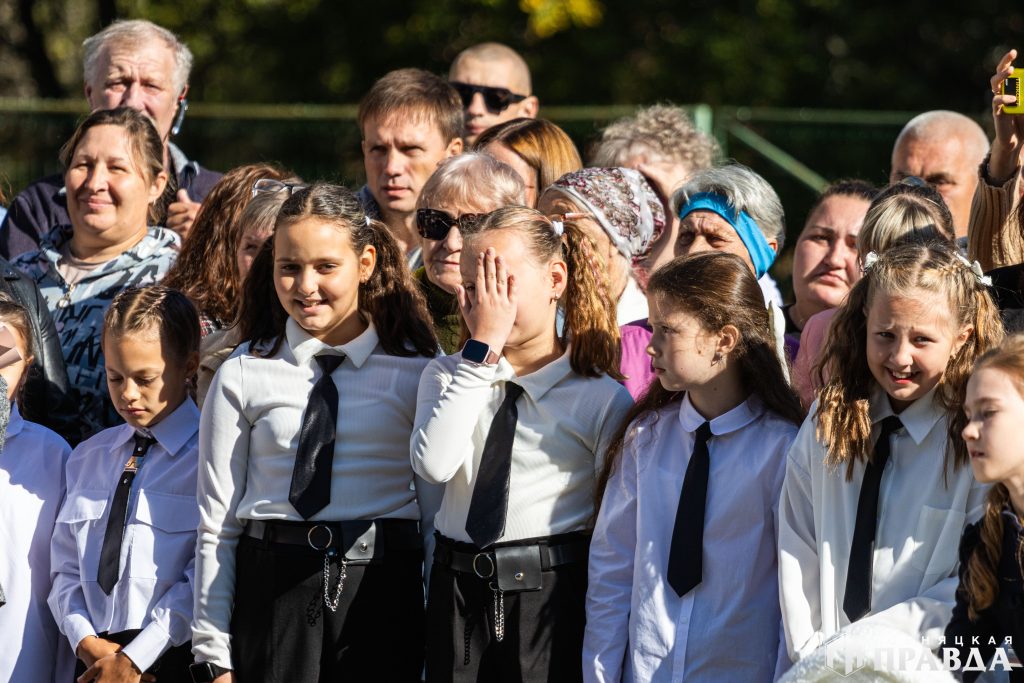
(172, 667)
(543, 640)
(281, 631)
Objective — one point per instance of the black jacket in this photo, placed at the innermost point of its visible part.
(1001, 620)
(45, 398)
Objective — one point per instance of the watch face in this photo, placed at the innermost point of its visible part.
(475, 351)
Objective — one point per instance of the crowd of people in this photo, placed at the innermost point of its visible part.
(498, 415)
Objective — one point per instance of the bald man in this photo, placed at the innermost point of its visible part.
(943, 148)
(493, 81)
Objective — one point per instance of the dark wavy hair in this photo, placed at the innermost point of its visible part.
(389, 297)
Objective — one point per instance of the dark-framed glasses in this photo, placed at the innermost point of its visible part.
(496, 100)
(434, 224)
(271, 186)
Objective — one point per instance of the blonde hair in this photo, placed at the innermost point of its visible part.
(981, 583)
(472, 179)
(843, 415)
(906, 216)
(589, 314)
(545, 147)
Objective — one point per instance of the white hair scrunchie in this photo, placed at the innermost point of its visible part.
(367, 219)
(558, 227)
(869, 260)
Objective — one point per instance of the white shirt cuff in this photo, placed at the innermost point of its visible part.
(147, 647)
(77, 628)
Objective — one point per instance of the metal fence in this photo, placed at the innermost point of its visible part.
(797, 150)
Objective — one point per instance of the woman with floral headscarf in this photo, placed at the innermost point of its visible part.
(623, 216)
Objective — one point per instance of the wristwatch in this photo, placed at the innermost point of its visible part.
(477, 352)
(206, 672)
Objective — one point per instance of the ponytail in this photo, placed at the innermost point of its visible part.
(589, 312)
(981, 582)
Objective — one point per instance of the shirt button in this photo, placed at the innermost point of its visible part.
(363, 547)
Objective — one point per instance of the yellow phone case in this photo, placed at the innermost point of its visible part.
(1017, 108)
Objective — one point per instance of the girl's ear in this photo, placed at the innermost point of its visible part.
(965, 333)
(728, 340)
(367, 263)
(559, 273)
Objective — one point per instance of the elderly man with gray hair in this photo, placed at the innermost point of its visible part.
(944, 149)
(133, 64)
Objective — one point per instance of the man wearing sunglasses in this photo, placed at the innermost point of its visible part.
(493, 81)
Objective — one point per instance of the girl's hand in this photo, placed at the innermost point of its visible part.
(490, 308)
(1009, 143)
(115, 668)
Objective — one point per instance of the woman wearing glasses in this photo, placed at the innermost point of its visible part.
(462, 189)
(114, 174)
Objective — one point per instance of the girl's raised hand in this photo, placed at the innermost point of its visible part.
(1009, 142)
(490, 308)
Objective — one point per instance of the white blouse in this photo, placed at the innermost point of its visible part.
(565, 423)
(154, 587)
(31, 491)
(249, 434)
(923, 509)
(728, 628)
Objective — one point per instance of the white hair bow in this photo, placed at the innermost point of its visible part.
(975, 268)
(869, 260)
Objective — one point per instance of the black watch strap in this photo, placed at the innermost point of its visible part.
(206, 672)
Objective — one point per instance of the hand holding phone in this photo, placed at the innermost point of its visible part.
(1011, 85)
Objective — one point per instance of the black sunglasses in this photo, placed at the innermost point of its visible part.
(496, 100)
(434, 224)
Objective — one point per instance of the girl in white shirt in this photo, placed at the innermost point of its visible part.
(683, 573)
(515, 427)
(123, 550)
(876, 494)
(31, 490)
(310, 554)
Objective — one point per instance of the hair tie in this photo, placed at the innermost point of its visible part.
(975, 268)
(558, 227)
(367, 220)
(869, 260)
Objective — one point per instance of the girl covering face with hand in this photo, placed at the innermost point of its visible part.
(32, 462)
(123, 550)
(515, 428)
(310, 555)
(876, 492)
(683, 561)
(988, 600)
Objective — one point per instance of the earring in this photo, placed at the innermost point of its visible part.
(716, 359)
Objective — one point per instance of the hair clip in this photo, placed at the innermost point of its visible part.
(558, 227)
(869, 260)
(975, 268)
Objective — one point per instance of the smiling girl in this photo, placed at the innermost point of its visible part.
(876, 492)
(310, 553)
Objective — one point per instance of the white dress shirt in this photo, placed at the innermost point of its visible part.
(922, 511)
(565, 422)
(154, 586)
(249, 434)
(728, 628)
(31, 491)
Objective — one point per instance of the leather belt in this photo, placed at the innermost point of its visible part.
(484, 565)
(356, 540)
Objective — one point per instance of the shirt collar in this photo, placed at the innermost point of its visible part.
(918, 418)
(727, 422)
(172, 432)
(305, 346)
(16, 422)
(538, 382)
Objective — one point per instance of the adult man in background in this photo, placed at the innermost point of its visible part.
(944, 149)
(133, 64)
(411, 120)
(493, 81)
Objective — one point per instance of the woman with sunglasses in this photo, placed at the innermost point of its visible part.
(461, 191)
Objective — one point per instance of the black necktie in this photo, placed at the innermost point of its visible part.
(857, 600)
(685, 559)
(485, 522)
(311, 478)
(110, 553)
